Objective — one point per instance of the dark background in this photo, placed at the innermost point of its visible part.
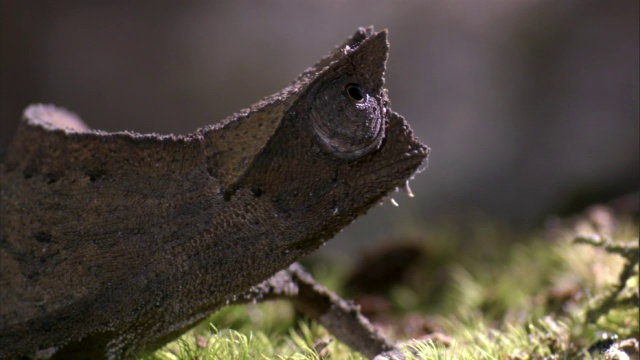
(530, 106)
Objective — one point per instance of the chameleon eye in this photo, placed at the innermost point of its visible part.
(344, 130)
(355, 93)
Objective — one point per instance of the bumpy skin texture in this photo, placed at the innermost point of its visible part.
(115, 243)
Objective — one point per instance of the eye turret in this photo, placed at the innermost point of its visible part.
(348, 119)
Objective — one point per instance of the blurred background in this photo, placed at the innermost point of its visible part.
(530, 107)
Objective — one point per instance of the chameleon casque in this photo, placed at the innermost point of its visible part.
(113, 244)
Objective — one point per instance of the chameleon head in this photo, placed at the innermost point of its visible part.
(338, 148)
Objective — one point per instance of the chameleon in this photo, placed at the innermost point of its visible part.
(113, 244)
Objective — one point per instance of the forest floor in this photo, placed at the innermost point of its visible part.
(566, 290)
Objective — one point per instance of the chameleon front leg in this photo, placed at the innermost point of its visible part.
(342, 318)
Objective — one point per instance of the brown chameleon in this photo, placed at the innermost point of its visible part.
(112, 244)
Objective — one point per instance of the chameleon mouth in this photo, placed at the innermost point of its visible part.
(404, 170)
(404, 157)
(402, 152)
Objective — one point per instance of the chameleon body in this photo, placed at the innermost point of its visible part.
(113, 244)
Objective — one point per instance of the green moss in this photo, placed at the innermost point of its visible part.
(485, 291)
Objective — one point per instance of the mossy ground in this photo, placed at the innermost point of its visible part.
(480, 291)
